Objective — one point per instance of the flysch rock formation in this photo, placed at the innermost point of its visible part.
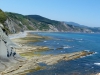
(11, 63)
(8, 56)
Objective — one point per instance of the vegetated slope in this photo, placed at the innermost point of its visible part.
(93, 29)
(35, 22)
(61, 26)
(75, 24)
(17, 22)
(3, 18)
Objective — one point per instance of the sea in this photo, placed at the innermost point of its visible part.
(62, 43)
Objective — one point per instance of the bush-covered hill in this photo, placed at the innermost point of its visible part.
(3, 17)
(18, 22)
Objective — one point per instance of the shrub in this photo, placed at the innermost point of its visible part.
(3, 17)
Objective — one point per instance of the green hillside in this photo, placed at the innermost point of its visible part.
(18, 22)
(37, 22)
(3, 17)
(42, 19)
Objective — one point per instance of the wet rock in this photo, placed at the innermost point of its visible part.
(60, 48)
(43, 48)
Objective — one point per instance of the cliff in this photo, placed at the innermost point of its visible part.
(11, 63)
(14, 22)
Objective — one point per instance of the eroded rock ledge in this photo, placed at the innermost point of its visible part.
(32, 64)
(30, 61)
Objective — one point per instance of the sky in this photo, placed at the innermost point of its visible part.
(84, 12)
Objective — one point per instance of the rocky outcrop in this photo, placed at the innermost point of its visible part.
(17, 22)
(14, 64)
(8, 55)
(13, 25)
(33, 62)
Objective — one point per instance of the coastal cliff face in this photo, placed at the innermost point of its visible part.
(39, 23)
(14, 22)
(8, 55)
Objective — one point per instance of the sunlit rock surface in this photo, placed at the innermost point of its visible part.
(8, 55)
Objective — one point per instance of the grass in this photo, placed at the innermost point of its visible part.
(27, 54)
(29, 27)
(3, 17)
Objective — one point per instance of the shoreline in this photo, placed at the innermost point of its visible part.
(24, 34)
(32, 60)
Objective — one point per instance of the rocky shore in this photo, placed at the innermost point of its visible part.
(30, 61)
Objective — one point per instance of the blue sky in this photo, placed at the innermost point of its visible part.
(85, 12)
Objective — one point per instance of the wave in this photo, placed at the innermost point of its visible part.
(97, 64)
(87, 50)
(79, 39)
(44, 41)
(66, 47)
(62, 51)
(57, 43)
(90, 54)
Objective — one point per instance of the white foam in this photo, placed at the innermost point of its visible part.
(88, 55)
(97, 64)
(82, 56)
(87, 64)
(45, 41)
(80, 39)
(66, 47)
(57, 43)
(92, 67)
(61, 51)
(95, 52)
(87, 50)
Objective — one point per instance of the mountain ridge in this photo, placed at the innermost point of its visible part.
(16, 22)
(75, 24)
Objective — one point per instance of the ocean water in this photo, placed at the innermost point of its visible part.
(62, 43)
